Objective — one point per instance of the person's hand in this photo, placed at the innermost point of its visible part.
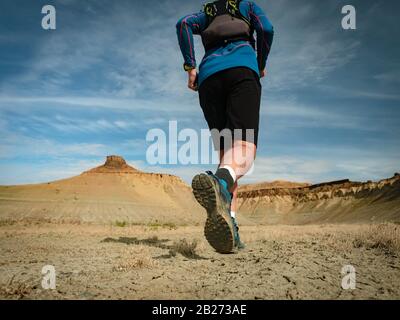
(192, 79)
(263, 73)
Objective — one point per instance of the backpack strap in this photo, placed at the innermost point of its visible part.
(231, 6)
(210, 9)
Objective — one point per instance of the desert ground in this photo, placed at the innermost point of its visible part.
(109, 237)
(174, 262)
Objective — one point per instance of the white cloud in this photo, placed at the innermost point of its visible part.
(50, 170)
(373, 94)
(295, 114)
(132, 105)
(390, 76)
(22, 146)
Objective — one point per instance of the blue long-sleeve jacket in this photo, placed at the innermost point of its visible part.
(235, 54)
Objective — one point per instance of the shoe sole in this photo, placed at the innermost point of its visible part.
(217, 230)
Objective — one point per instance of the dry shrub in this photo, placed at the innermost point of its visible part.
(385, 236)
(34, 221)
(135, 263)
(155, 225)
(16, 289)
(121, 224)
(339, 242)
(7, 222)
(185, 248)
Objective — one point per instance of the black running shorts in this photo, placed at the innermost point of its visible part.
(231, 99)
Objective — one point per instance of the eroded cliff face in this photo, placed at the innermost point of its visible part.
(341, 201)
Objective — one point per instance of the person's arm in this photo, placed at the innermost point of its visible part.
(265, 34)
(185, 29)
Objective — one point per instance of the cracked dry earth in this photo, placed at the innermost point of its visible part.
(140, 262)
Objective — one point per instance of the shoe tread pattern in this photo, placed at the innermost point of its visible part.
(218, 229)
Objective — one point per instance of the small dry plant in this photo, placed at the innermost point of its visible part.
(385, 236)
(185, 248)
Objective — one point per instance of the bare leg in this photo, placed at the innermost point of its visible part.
(234, 198)
(240, 157)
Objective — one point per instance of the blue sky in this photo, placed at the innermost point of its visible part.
(112, 70)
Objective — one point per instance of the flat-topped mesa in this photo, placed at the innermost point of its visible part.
(113, 164)
(117, 165)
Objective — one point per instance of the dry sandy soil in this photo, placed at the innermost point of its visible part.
(167, 262)
(109, 236)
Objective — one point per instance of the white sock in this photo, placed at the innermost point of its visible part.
(233, 214)
(231, 172)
